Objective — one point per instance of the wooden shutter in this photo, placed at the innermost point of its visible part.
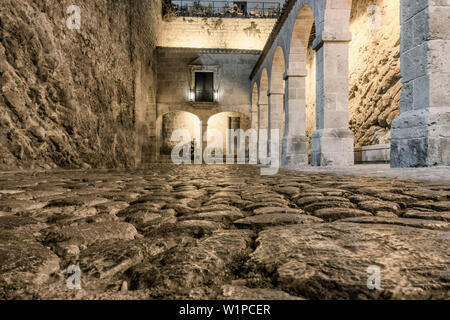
(204, 86)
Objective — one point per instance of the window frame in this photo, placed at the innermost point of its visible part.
(215, 69)
(196, 98)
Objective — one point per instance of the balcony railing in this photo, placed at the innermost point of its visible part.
(222, 9)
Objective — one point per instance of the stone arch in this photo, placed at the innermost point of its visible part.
(278, 69)
(167, 122)
(295, 143)
(299, 40)
(225, 120)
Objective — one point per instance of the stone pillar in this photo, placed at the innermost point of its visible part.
(420, 136)
(254, 119)
(276, 105)
(201, 145)
(332, 142)
(295, 142)
(263, 124)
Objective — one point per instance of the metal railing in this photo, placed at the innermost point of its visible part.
(222, 9)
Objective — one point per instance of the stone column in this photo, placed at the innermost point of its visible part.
(332, 142)
(201, 145)
(254, 119)
(295, 142)
(263, 124)
(420, 136)
(276, 105)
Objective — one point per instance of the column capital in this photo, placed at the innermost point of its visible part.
(330, 36)
(269, 93)
(288, 75)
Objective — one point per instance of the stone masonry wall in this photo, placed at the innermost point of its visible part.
(70, 98)
(375, 86)
(310, 92)
(227, 33)
(174, 77)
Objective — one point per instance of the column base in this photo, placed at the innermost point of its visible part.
(420, 139)
(332, 147)
(294, 151)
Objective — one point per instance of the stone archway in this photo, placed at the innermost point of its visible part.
(167, 123)
(220, 123)
(295, 143)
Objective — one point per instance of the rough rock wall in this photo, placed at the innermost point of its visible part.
(375, 85)
(70, 98)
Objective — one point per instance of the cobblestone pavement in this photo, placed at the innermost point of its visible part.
(222, 232)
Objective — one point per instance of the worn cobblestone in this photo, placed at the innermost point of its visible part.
(211, 232)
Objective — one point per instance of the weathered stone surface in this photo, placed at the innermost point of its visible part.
(429, 215)
(330, 261)
(26, 262)
(375, 86)
(182, 268)
(107, 258)
(417, 223)
(67, 98)
(276, 219)
(89, 233)
(267, 210)
(186, 248)
(374, 206)
(437, 206)
(230, 292)
(332, 214)
(218, 216)
(9, 222)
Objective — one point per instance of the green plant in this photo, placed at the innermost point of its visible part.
(252, 30)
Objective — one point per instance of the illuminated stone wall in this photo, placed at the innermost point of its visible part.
(177, 120)
(76, 98)
(174, 78)
(220, 122)
(228, 33)
(310, 92)
(375, 86)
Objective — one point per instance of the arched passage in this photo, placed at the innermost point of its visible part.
(276, 96)
(295, 143)
(221, 122)
(167, 123)
(332, 142)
